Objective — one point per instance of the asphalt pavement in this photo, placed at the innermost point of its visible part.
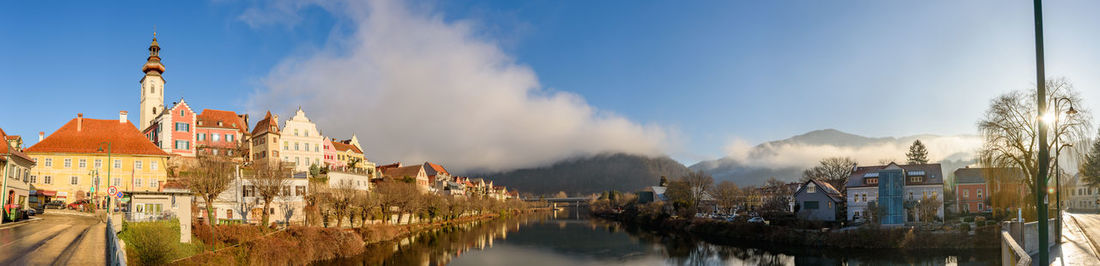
(58, 239)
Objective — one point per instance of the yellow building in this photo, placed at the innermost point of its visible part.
(74, 160)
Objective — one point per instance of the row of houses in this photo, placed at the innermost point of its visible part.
(84, 157)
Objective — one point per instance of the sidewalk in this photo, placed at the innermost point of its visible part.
(1076, 248)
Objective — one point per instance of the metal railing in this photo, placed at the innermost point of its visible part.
(149, 216)
(116, 251)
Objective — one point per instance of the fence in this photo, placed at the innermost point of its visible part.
(149, 216)
(116, 250)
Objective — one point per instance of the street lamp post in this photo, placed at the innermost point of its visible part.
(1044, 156)
(109, 166)
(1058, 161)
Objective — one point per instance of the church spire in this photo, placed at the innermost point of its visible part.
(153, 62)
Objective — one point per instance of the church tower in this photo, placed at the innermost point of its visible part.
(152, 86)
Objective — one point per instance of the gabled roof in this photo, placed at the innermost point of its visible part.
(6, 148)
(435, 169)
(980, 175)
(822, 187)
(399, 172)
(342, 147)
(266, 125)
(228, 119)
(123, 137)
(932, 172)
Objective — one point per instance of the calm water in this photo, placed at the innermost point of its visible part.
(571, 238)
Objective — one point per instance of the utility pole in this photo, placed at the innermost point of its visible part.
(1044, 156)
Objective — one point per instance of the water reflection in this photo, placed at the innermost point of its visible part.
(570, 238)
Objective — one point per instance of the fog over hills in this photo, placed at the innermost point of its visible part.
(745, 165)
(785, 159)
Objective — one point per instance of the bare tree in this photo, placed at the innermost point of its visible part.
(340, 201)
(929, 208)
(833, 170)
(210, 179)
(364, 203)
(269, 180)
(728, 195)
(690, 190)
(1011, 125)
(396, 195)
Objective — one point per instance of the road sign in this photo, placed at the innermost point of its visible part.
(112, 190)
(119, 195)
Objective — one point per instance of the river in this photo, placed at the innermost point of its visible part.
(570, 237)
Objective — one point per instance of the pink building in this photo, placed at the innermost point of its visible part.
(173, 130)
(221, 133)
(330, 155)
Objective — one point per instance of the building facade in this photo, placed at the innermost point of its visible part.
(16, 166)
(301, 142)
(173, 130)
(818, 201)
(222, 133)
(86, 156)
(972, 187)
(895, 189)
(265, 139)
(1082, 197)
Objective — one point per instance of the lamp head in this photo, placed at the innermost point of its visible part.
(1071, 111)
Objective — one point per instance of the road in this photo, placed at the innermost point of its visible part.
(59, 239)
(1090, 226)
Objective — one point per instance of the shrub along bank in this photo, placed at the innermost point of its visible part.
(861, 238)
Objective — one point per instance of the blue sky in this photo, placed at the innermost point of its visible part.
(706, 72)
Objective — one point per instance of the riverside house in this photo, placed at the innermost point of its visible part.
(818, 201)
(893, 187)
(972, 187)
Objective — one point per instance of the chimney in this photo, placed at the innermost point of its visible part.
(41, 135)
(122, 117)
(79, 121)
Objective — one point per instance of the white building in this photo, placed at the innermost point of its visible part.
(242, 203)
(302, 142)
(1082, 197)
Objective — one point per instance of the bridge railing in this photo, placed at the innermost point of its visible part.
(1011, 252)
(116, 251)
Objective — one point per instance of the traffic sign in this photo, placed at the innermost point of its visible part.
(119, 195)
(112, 190)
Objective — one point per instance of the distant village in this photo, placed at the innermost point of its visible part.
(888, 194)
(89, 161)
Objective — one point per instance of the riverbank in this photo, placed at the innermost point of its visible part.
(248, 244)
(864, 238)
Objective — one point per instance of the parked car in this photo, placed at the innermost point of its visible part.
(78, 205)
(757, 220)
(57, 204)
(29, 212)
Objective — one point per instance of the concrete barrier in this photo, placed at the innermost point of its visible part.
(1012, 253)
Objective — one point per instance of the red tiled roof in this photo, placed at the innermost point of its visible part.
(344, 147)
(383, 168)
(438, 168)
(123, 136)
(265, 126)
(399, 172)
(229, 119)
(7, 149)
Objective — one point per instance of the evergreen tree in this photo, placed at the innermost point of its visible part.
(1090, 169)
(918, 154)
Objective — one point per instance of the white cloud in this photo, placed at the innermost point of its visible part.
(416, 88)
(804, 155)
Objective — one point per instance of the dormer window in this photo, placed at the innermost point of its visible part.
(916, 179)
(871, 181)
(811, 188)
